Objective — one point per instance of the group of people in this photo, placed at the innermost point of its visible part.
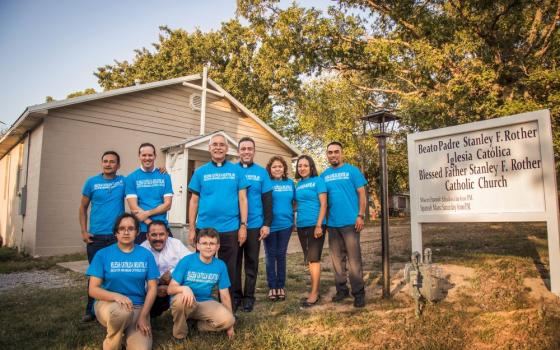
(138, 270)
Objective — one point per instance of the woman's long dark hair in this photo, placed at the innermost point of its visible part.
(312, 168)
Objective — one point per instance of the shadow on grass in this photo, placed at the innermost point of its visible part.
(470, 244)
(13, 261)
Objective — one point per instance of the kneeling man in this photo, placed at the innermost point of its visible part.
(167, 251)
(191, 286)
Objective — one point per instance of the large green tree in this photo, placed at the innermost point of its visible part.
(307, 72)
(438, 63)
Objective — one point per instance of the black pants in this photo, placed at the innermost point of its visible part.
(161, 304)
(99, 242)
(229, 247)
(249, 252)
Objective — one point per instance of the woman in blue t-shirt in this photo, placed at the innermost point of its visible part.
(118, 276)
(311, 203)
(276, 243)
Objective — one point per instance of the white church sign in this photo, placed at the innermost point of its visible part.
(496, 170)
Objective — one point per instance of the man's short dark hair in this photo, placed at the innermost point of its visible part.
(121, 218)
(158, 223)
(335, 143)
(312, 168)
(246, 138)
(208, 232)
(107, 153)
(146, 144)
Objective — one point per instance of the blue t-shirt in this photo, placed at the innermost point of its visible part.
(218, 189)
(201, 277)
(282, 209)
(307, 198)
(259, 182)
(124, 273)
(107, 202)
(342, 184)
(149, 188)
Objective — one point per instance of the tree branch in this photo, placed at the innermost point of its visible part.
(387, 91)
(388, 12)
(548, 33)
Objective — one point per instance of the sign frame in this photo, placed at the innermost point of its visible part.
(549, 215)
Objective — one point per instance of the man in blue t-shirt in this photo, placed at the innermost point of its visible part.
(148, 192)
(346, 207)
(105, 193)
(259, 201)
(219, 201)
(193, 280)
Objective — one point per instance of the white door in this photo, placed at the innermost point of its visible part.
(178, 211)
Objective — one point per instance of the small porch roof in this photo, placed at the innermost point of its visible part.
(201, 143)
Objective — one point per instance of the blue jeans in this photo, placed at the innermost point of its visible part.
(275, 248)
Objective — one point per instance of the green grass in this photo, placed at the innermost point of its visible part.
(12, 261)
(494, 311)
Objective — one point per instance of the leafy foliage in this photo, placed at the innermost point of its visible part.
(308, 72)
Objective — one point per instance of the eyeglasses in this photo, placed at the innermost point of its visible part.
(123, 229)
(208, 244)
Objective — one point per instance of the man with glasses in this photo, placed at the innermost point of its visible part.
(167, 251)
(219, 201)
(192, 283)
(105, 193)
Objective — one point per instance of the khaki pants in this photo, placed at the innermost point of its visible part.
(120, 322)
(211, 315)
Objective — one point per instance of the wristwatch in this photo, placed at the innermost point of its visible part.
(243, 224)
(361, 216)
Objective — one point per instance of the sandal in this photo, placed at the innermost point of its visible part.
(272, 295)
(281, 294)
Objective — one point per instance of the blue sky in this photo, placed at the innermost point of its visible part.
(52, 47)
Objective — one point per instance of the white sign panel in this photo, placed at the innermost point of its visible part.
(488, 171)
(495, 170)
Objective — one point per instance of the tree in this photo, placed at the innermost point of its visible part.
(87, 91)
(440, 63)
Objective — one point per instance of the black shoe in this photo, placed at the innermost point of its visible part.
(359, 301)
(248, 305)
(87, 318)
(340, 296)
(236, 304)
(307, 304)
(192, 325)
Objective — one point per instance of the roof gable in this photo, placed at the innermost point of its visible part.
(33, 115)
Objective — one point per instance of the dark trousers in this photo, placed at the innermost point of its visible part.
(99, 242)
(161, 304)
(229, 247)
(249, 252)
(344, 243)
(275, 248)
